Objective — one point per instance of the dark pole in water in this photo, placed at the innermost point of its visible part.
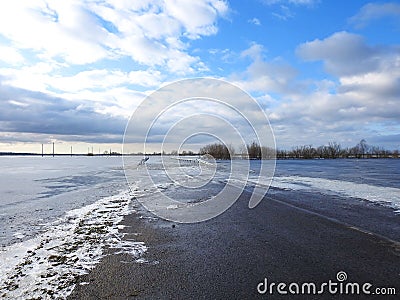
(53, 149)
(71, 151)
(42, 150)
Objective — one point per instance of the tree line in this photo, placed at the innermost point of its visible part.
(251, 151)
(331, 151)
(334, 150)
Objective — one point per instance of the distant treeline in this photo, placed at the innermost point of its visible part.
(252, 151)
(335, 150)
(331, 151)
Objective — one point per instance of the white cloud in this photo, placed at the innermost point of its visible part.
(63, 50)
(265, 76)
(295, 2)
(17, 103)
(364, 71)
(34, 77)
(254, 21)
(88, 85)
(303, 2)
(83, 32)
(197, 17)
(88, 80)
(153, 34)
(374, 11)
(118, 101)
(10, 55)
(149, 42)
(284, 13)
(53, 30)
(343, 53)
(363, 94)
(283, 9)
(346, 116)
(255, 51)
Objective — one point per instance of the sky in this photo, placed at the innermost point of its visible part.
(73, 72)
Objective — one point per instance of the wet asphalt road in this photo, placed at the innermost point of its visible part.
(227, 257)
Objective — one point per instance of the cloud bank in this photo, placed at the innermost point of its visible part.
(76, 70)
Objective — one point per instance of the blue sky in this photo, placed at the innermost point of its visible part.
(72, 72)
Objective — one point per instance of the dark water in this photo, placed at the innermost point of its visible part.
(360, 193)
(378, 172)
(44, 201)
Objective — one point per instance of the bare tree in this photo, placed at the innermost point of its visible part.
(334, 149)
(254, 150)
(362, 147)
(218, 151)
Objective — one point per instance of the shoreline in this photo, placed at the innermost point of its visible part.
(228, 256)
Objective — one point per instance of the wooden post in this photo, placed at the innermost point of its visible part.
(42, 150)
(53, 149)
